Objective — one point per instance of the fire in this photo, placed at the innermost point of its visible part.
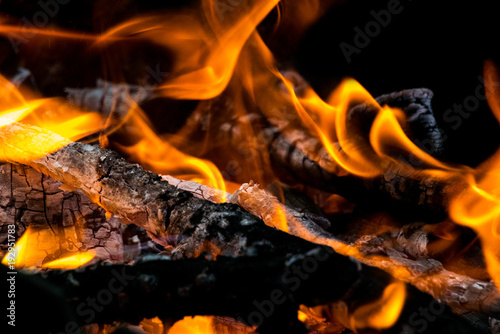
(70, 262)
(16, 254)
(187, 325)
(61, 121)
(32, 249)
(193, 325)
(382, 313)
(379, 314)
(161, 157)
(64, 122)
(210, 50)
(196, 325)
(477, 206)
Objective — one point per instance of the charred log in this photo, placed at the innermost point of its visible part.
(296, 154)
(173, 289)
(66, 222)
(162, 209)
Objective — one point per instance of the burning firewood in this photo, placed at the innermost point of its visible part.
(60, 223)
(401, 253)
(135, 195)
(142, 197)
(109, 98)
(297, 154)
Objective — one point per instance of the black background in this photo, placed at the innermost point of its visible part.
(436, 44)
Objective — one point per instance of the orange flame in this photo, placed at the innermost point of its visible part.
(70, 262)
(221, 43)
(62, 122)
(193, 325)
(382, 313)
(32, 248)
(479, 205)
(205, 48)
(379, 314)
(476, 207)
(161, 157)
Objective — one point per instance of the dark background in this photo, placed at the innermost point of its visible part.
(436, 44)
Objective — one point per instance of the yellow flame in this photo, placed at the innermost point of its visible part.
(70, 262)
(33, 247)
(279, 218)
(193, 325)
(161, 157)
(382, 313)
(478, 206)
(13, 115)
(301, 316)
(60, 121)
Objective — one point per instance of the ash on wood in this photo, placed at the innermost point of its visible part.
(160, 208)
(64, 222)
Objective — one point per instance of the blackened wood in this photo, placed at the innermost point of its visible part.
(228, 286)
(143, 198)
(66, 222)
(306, 160)
(296, 154)
(164, 210)
(235, 287)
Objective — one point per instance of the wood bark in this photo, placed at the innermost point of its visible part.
(295, 153)
(66, 222)
(162, 209)
(140, 197)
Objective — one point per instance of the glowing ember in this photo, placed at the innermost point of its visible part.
(193, 325)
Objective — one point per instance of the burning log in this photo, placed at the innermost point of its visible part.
(306, 157)
(403, 253)
(140, 197)
(143, 198)
(299, 156)
(63, 222)
(109, 98)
